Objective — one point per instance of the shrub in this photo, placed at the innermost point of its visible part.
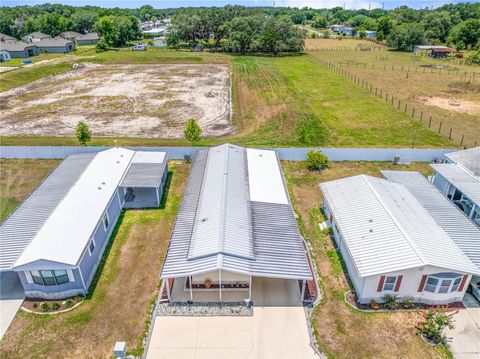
(316, 160)
(391, 301)
(303, 136)
(192, 131)
(407, 302)
(433, 325)
(35, 305)
(44, 307)
(101, 46)
(84, 135)
(374, 305)
(55, 306)
(68, 303)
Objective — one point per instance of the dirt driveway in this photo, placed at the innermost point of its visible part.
(152, 101)
(277, 329)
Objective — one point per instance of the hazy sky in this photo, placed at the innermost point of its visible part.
(349, 4)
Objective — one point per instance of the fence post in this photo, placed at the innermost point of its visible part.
(413, 112)
(421, 116)
(430, 122)
(450, 134)
(440, 127)
(398, 104)
(405, 110)
(461, 141)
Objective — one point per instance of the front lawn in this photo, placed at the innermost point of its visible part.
(126, 284)
(342, 331)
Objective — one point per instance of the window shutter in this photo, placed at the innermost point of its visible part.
(331, 217)
(422, 283)
(462, 284)
(28, 275)
(380, 283)
(399, 283)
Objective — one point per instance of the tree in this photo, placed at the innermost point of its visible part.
(466, 34)
(385, 25)
(405, 37)
(105, 26)
(316, 160)
(84, 135)
(192, 131)
(84, 20)
(437, 25)
(320, 22)
(101, 45)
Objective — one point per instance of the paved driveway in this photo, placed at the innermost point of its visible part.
(465, 337)
(11, 298)
(277, 329)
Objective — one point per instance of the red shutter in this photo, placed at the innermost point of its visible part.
(399, 283)
(462, 284)
(380, 283)
(422, 283)
(331, 218)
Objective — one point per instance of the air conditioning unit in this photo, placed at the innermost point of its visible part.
(396, 159)
(120, 350)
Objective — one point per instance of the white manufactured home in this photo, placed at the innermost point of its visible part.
(55, 239)
(391, 244)
(235, 222)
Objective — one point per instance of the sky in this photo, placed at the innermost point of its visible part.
(349, 4)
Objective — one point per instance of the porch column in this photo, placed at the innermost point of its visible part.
(220, 284)
(158, 197)
(472, 211)
(168, 290)
(190, 285)
(303, 289)
(250, 288)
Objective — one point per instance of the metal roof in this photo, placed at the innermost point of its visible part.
(15, 46)
(385, 229)
(53, 42)
(146, 170)
(469, 159)
(89, 36)
(17, 231)
(220, 227)
(466, 182)
(451, 219)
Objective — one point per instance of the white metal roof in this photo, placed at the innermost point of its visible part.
(148, 157)
(264, 177)
(385, 229)
(469, 159)
(465, 181)
(450, 218)
(67, 231)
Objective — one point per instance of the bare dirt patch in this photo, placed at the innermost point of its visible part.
(122, 100)
(453, 104)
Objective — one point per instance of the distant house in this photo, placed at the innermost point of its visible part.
(140, 47)
(433, 51)
(57, 45)
(19, 49)
(370, 34)
(4, 37)
(391, 244)
(56, 238)
(70, 35)
(159, 41)
(91, 38)
(459, 181)
(5, 56)
(35, 37)
(343, 29)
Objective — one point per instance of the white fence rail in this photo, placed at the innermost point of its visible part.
(292, 154)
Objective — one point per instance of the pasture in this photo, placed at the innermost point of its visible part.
(447, 91)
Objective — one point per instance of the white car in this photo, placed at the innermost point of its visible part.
(474, 287)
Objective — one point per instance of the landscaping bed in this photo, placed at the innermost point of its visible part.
(43, 306)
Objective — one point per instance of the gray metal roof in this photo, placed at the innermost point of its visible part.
(144, 175)
(89, 36)
(470, 159)
(15, 46)
(451, 219)
(218, 227)
(21, 226)
(466, 182)
(53, 42)
(385, 229)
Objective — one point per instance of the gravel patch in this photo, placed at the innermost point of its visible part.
(204, 309)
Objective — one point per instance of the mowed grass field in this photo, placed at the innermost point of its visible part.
(445, 90)
(125, 286)
(343, 332)
(273, 98)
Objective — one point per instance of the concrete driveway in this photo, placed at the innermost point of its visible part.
(11, 298)
(464, 339)
(277, 329)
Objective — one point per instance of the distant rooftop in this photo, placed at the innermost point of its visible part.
(470, 159)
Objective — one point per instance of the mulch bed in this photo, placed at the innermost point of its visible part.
(35, 305)
(351, 298)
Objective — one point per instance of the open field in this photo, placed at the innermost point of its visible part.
(351, 43)
(274, 98)
(447, 91)
(122, 100)
(18, 178)
(126, 283)
(343, 332)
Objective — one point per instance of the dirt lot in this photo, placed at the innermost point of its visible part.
(122, 100)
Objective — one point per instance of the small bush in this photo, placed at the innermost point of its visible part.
(68, 303)
(374, 305)
(35, 305)
(391, 301)
(433, 325)
(55, 306)
(316, 160)
(44, 307)
(407, 302)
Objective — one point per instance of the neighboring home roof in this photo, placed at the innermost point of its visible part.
(56, 222)
(434, 48)
(469, 159)
(53, 42)
(145, 170)
(89, 36)
(385, 229)
(452, 220)
(462, 179)
(18, 230)
(38, 35)
(227, 223)
(15, 46)
(70, 34)
(4, 37)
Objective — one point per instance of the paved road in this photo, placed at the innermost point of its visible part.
(11, 298)
(277, 329)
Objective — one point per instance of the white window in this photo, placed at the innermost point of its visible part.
(106, 221)
(389, 284)
(91, 246)
(50, 277)
(443, 283)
